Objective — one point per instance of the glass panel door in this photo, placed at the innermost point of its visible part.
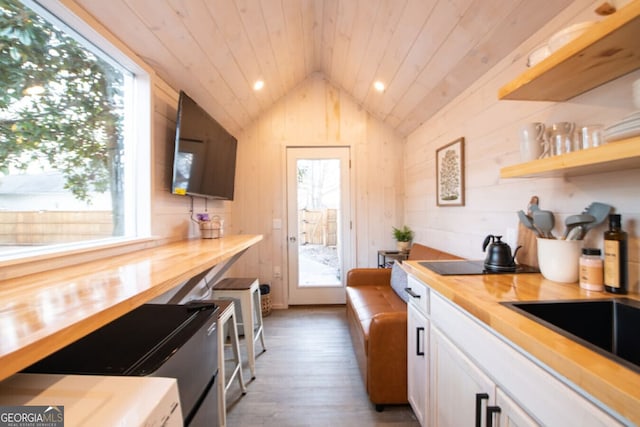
(318, 224)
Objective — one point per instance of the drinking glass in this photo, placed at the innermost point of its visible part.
(591, 136)
(561, 138)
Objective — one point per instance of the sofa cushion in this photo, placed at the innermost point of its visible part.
(369, 301)
(399, 281)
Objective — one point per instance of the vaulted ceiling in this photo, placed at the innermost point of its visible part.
(425, 51)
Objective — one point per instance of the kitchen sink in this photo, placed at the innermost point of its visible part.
(610, 327)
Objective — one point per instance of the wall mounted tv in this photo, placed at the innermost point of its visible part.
(204, 161)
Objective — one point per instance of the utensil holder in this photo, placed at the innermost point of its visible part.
(559, 260)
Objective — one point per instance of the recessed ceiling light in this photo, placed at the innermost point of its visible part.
(259, 84)
(379, 86)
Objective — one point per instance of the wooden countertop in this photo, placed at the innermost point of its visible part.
(43, 312)
(615, 385)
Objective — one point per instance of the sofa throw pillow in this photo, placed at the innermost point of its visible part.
(399, 281)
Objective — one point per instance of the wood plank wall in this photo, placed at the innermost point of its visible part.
(171, 213)
(315, 114)
(490, 128)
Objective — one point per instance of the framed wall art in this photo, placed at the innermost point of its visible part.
(450, 174)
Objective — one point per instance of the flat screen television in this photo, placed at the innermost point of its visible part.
(204, 161)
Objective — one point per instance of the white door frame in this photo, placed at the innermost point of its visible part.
(320, 294)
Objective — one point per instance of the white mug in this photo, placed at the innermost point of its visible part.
(532, 141)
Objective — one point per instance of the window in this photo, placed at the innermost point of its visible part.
(70, 173)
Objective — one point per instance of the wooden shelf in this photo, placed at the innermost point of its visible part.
(608, 50)
(617, 155)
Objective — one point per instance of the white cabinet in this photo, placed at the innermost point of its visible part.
(418, 349)
(459, 390)
(463, 395)
(467, 358)
(511, 414)
(417, 363)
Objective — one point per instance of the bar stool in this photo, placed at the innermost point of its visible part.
(247, 290)
(227, 317)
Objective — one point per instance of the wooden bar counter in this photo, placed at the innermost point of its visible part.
(43, 312)
(612, 383)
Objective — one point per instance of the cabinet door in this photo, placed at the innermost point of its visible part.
(460, 392)
(417, 362)
(511, 414)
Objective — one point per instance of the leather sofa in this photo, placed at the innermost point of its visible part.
(377, 319)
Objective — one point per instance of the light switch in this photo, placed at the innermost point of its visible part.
(277, 223)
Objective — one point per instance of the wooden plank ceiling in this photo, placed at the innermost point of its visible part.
(425, 51)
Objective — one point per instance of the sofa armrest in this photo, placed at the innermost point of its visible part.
(387, 358)
(369, 277)
(386, 328)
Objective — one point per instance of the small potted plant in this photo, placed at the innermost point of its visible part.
(404, 236)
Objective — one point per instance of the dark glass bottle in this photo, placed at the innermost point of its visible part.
(615, 257)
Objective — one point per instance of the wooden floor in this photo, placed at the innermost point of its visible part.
(308, 377)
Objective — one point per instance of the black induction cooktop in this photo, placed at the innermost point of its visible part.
(456, 268)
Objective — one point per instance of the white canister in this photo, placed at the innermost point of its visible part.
(532, 141)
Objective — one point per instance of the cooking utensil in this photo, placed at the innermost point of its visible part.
(544, 221)
(600, 211)
(527, 221)
(575, 233)
(573, 221)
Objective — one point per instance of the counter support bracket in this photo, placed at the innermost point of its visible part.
(190, 284)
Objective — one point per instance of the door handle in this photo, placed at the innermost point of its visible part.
(491, 410)
(479, 398)
(418, 351)
(292, 239)
(410, 292)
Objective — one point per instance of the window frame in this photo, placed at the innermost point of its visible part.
(138, 129)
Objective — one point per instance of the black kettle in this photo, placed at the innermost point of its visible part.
(499, 256)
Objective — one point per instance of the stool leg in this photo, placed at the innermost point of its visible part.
(222, 402)
(258, 313)
(246, 303)
(235, 344)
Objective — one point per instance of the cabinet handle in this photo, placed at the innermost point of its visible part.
(479, 398)
(410, 292)
(491, 410)
(418, 351)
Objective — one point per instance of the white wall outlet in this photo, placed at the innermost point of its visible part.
(277, 224)
(277, 273)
